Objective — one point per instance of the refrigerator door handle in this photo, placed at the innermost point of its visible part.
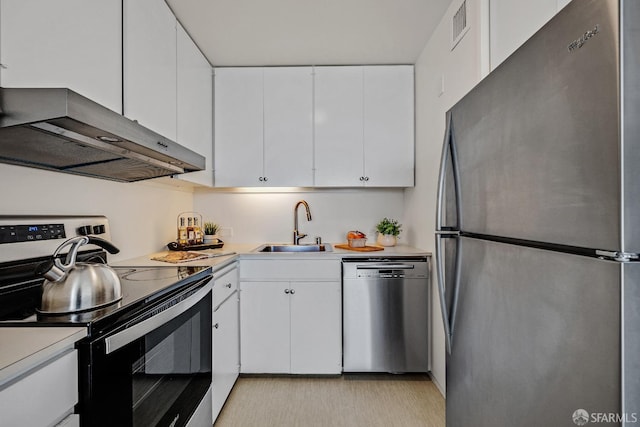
(448, 317)
(442, 173)
(448, 148)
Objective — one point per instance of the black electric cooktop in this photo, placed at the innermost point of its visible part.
(21, 290)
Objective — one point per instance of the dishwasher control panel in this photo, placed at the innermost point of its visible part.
(387, 268)
(381, 274)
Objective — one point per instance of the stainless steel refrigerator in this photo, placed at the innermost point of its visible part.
(538, 229)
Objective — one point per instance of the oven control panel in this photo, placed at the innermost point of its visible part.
(23, 237)
(29, 233)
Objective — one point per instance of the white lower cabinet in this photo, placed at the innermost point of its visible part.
(264, 330)
(43, 397)
(226, 336)
(316, 328)
(291, 326)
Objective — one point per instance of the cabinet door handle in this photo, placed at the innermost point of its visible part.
(293, 291)
(260, 179)
(286, 291)
(228, 285)
(366, 178)
(216, 326)
(362, 178)
(265, 179)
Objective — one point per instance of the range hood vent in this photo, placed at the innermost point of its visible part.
(60, 130)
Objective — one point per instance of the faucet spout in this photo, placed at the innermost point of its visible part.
(297, 235)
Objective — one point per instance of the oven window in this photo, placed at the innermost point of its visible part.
(167, 367)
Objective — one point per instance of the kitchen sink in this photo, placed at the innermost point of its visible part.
(294, 248)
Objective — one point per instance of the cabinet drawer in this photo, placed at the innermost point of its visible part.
(225, 282)
(308, 269)
(43, 397)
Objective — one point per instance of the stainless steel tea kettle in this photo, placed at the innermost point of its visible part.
(77, 286)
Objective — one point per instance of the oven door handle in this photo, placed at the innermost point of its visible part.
(120, 339)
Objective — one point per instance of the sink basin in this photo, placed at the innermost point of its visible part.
(294, 248)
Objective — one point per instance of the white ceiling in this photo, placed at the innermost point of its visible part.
(309, 32)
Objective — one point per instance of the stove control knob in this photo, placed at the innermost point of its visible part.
(98, 229)
(84, 230)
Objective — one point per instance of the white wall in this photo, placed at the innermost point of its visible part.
(142, 216)
(461, 70)
(260, 217)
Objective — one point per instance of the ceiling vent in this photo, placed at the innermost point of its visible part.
(459, 25)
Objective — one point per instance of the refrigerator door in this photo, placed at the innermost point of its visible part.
(537, 337)
(630, 22)
(538, 142)
(631, 341)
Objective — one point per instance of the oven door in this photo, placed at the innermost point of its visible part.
(155, 370)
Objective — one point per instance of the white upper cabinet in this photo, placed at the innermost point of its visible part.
(194, 105)
(238, 127)
(288, 126)
(75, 44)
(388, 126)
(342, 126)
(512, 22)
(263, 131)
(339, 150)
(364, 126)
(150, 70)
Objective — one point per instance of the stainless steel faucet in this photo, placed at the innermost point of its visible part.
(297, 236)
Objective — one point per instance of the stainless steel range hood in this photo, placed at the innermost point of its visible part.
(60, 130)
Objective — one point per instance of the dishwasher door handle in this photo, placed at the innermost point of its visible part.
(385, 266)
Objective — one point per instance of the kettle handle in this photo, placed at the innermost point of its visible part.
(76, 242)
(54, 270)
(104, 244)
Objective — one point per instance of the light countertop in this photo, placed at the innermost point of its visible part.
(232, 252)
(23, 348)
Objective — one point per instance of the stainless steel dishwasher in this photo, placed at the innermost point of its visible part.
(385, 314)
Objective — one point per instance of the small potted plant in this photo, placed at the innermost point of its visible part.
(388, 231)
(210, 232)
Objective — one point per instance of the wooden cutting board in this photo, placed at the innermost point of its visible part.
(363, 249)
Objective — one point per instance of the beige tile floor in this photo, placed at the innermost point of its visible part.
(349, 401)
